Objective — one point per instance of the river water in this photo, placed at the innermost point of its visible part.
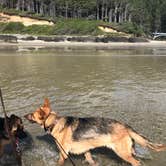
(127, 84)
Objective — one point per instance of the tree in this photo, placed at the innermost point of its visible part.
(148, 14)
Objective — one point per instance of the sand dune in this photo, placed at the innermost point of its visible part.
(27, 21)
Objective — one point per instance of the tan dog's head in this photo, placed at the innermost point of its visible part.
(40, 114)
(16, 126)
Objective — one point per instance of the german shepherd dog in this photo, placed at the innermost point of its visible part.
(80, 135)
(16, 130)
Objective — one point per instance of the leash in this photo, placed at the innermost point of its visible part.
(67, 154)
(15, 145)
(60, 146)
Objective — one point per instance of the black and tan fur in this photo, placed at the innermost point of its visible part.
(80, 135)
(16, 130)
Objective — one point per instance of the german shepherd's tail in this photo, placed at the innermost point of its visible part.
(145, 142)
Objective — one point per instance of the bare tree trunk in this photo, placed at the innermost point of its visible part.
(66, 9)
(110, 15)
(30, 6)
(116, 13)
(18, 5)
(106, 13)
(79, 13)
(102, 10)
(11, 4)
(23, 5)
(129, 19)
(122, 17)
(74, 12)
(125, 12)
(52, 9)
(3, 3)
(97, 14)
(120, 11)
(42, 8)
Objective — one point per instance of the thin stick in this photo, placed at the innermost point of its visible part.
(17, 155)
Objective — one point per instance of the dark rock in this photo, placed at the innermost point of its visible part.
(100, 39)
(51, 38)
(28, 38)
(137, 39)
(116, 39)
(58, 39)
(8, 38)
(111, 39)
(45, 38)
(82, 39)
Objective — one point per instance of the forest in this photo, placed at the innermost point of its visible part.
(149, 15)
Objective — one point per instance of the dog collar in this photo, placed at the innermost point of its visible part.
(18, 149)
(50, 127)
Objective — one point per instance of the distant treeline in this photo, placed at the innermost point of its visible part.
(149, 14)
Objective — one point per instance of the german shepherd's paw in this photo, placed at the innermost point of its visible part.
(60, 162)
(94, 163)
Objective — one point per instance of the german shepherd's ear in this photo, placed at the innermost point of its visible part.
(46, 103)
(44, 112)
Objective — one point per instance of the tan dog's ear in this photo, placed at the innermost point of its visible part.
(46, 103)
(44, 111)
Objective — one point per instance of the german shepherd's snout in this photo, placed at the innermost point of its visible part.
(80, 135)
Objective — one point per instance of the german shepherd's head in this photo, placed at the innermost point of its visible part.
(40, 114)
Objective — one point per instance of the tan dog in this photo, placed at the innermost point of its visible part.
(16, 130)
(79, 135)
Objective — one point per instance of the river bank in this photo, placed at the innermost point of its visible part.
(72, 42)
(14, 38)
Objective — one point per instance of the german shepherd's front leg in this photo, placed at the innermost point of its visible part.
(62, 158)
(63, 154)
(64, 151)
(90, 160)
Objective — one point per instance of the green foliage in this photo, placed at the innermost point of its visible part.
(69, 27)
(38, 30)
(150, 15)
(76, 27)
(19, 28)
(2, 26)
(131, 28)
(13, 27)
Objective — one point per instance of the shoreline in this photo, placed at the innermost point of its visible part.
(99, 45)
(18, 41)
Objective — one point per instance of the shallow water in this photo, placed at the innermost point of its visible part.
(126, 84)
